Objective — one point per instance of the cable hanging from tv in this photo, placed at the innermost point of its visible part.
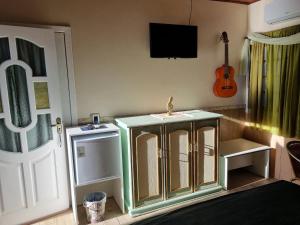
(191, 10)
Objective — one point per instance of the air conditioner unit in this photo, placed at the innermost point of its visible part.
(281, 10)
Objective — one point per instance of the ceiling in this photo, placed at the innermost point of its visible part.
(246, 2)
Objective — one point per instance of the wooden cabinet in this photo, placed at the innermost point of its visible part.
(168, 161)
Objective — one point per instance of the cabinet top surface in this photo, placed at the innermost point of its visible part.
(240, 146)
(156, 119)
(104, 128)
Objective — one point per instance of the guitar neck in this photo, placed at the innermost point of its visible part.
(226, 61)
(226, 55)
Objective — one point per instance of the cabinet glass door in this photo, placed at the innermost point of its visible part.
(178, 148)
(147, 163)
(205, 153)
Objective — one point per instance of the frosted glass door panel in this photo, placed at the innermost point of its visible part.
(4, 55)
(18, 96)
(4, 50)
(10, 141)
(43, 130)
(33, 55)
(41, 95)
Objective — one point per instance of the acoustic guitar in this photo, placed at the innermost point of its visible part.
(225, 85)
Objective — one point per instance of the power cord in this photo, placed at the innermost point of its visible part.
(191, 10)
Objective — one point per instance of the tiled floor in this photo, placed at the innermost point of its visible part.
(65, 218)
(114, 217)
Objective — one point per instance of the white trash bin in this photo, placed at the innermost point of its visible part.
(94, 204)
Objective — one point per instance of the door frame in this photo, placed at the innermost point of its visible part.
(70, 87)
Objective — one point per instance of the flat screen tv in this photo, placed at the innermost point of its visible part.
(173, 41)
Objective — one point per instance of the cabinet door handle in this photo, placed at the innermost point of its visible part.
(159, 153)
(196, 148)
(190, 148)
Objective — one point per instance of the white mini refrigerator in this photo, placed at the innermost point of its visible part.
(95, 157)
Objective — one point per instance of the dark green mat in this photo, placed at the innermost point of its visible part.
(273, 204)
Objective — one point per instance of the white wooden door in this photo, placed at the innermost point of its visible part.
(33, 174)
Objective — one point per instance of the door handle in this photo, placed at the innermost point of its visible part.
(59, 128)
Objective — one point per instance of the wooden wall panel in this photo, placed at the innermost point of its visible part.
(206, 155)
(179, 160)
(147, 166)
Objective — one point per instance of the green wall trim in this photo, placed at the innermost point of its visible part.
(127, 181)
(173, 201)
(222, 171)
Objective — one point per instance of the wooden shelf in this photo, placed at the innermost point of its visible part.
(240, 146)
(242, 153)
(99, 181)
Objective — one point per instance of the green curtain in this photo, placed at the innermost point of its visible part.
(274, 102)
(283, 32)
(255, 86)
(19, 101)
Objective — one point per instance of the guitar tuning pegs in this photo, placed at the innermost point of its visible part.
(219, 37)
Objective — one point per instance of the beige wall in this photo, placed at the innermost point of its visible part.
(256, 21)
(113, 71)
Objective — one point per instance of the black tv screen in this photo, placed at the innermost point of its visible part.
(173, 41)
